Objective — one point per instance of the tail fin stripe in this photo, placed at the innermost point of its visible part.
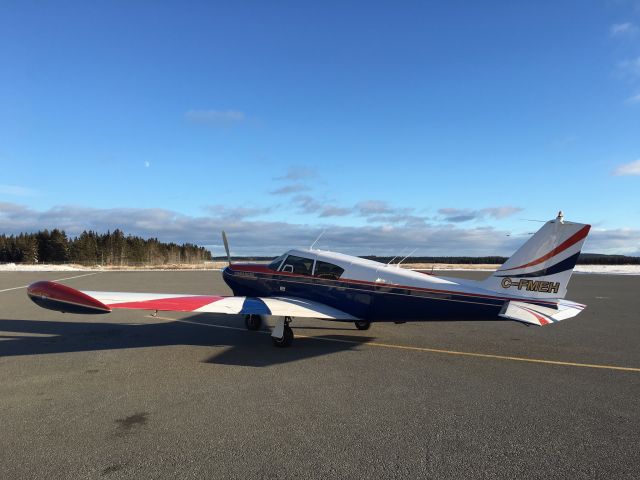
(579, 235)
(562, 266)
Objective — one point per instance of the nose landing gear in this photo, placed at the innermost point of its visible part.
(282, 335)
(362, 324)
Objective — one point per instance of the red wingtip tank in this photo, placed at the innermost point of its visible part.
(61, 298)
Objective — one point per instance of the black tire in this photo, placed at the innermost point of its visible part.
(286, 340)
(253, 322)
(362, 324)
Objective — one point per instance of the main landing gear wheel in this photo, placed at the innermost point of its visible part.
(362, 324)
(253, 322)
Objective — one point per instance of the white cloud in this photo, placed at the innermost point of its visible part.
(16, 191)
(215, 117)
(308, 204)
(255, 236)
(466, 214)
(333, 211)
(291, 188)
(298, 173)
(381, 212)
(632, 100)
(632, 168)
(296, 177)
(222, 211)
(369, 207)
(631, 67)
(250, 236)
(623, 29)
(501, 212)
(613, 241)
(147, 163)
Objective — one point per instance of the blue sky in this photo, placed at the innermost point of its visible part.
(436, 125)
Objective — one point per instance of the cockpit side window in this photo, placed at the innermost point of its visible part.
(298, 265)
(275, 264)
(327, 270)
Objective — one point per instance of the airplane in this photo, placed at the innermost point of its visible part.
(529, 288)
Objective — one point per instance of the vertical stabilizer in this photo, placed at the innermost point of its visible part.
(542, 267)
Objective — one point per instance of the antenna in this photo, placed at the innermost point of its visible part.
(412, 252)
(401, 252)
(226, 246)
(318, 238)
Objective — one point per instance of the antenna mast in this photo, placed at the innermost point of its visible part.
(401, 252)
(316, 241)
(412, 252)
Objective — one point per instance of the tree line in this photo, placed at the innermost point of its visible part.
(91, 248)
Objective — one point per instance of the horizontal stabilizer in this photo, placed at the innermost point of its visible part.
(536, 315)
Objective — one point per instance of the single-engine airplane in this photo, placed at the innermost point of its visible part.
(529, 288)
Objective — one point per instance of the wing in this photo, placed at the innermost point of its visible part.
(537, 315)
(62, 298)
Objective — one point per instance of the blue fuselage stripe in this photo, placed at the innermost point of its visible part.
(370, 302)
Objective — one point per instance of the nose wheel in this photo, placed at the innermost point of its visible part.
(282, 335)
(362, 324)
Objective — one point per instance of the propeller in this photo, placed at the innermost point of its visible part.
(226, 246)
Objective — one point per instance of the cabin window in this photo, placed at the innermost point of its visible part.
(328, 270)
(275, 264)
(298, 265)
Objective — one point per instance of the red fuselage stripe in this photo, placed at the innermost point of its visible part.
(252, 268)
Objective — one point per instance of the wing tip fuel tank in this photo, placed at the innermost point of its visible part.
(58, 297)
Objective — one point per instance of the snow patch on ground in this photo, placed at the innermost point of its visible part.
(609, 269)
(12, 267)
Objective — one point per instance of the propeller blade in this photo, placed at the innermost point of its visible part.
(226, 246)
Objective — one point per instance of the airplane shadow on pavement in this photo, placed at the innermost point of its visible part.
(18, 337)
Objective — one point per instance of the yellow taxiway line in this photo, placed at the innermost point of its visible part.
(481, 355)
(434, 350)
